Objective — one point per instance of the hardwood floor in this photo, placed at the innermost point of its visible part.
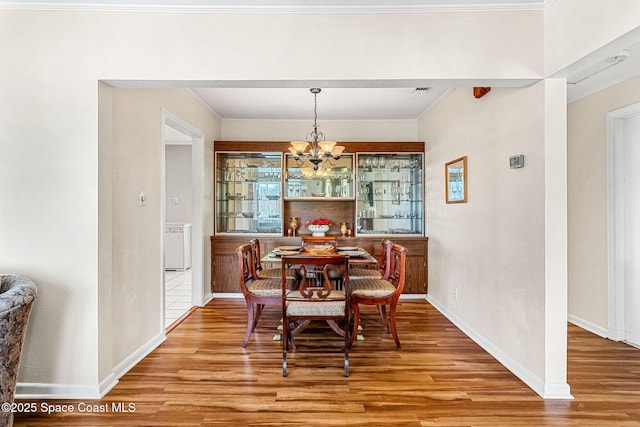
(202, 377)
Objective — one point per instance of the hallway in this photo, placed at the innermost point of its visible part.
(177, 295)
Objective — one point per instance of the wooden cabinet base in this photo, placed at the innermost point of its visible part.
(224, 261)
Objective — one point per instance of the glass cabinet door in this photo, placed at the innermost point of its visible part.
(390, 194)
(249, 193)
(331, 181)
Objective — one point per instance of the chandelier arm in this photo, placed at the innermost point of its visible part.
(332, 160)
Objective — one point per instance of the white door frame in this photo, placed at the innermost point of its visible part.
(197, 205)
(615, 219)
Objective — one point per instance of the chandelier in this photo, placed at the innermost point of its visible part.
(315, 148)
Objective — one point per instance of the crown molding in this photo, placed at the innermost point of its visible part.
(277, 6)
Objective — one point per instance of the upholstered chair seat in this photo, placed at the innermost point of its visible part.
(382, 269)
(326, 308)
(374, 288)
(276, 273)
(271, 287)
(364, 273)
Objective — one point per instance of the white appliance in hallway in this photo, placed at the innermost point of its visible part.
(177, 246)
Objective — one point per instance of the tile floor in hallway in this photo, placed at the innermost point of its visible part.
(177, 299)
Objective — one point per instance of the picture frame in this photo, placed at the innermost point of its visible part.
(455, 173)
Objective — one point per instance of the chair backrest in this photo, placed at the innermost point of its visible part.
(384, 262)
(313, 266)
(255, 254)
(398, 261)
(245, 265)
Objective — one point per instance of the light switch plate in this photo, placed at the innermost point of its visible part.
(517, 161)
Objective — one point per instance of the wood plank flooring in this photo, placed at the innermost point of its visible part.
(202, 377)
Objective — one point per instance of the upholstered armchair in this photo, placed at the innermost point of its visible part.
(16, 298)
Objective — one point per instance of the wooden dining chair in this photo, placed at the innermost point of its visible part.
(381, 292)
(382, 268)
(257, 291)
(263, 273)
(315, 245)
(315, 300)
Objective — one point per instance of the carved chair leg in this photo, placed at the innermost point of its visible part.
(250, 324)
(392, 321)
(285, 347)
(382, 309)
(259, 309)
(356, 321)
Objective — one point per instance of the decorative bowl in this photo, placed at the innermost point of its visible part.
(318, 194)
(273, 197)
(318, 249)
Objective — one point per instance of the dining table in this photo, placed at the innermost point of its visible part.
(357, 257)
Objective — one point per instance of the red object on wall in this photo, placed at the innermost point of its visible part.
(479, 92)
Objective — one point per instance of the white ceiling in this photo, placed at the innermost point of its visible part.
(352, 100)
(333, 103)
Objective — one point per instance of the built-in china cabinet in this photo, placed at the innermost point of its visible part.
(374, 190)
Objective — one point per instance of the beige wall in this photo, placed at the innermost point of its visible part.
(490, 251)
(137, 230)
(588, 201)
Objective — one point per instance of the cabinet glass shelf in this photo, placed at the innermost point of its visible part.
(333, 180)
(248, 192)
(390, 193)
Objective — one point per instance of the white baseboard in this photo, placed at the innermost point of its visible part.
(56, 391)
(412, 296)
(207, 299)
(73, 391)
(586, 325)
(134, 358)
(546, 391)
(107, 384)
(228, 295)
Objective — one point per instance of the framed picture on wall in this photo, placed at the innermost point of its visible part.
(455, 173)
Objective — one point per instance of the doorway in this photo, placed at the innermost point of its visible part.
(623, 180)
(182, 219)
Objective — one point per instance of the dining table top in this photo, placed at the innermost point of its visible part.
(357, 255)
